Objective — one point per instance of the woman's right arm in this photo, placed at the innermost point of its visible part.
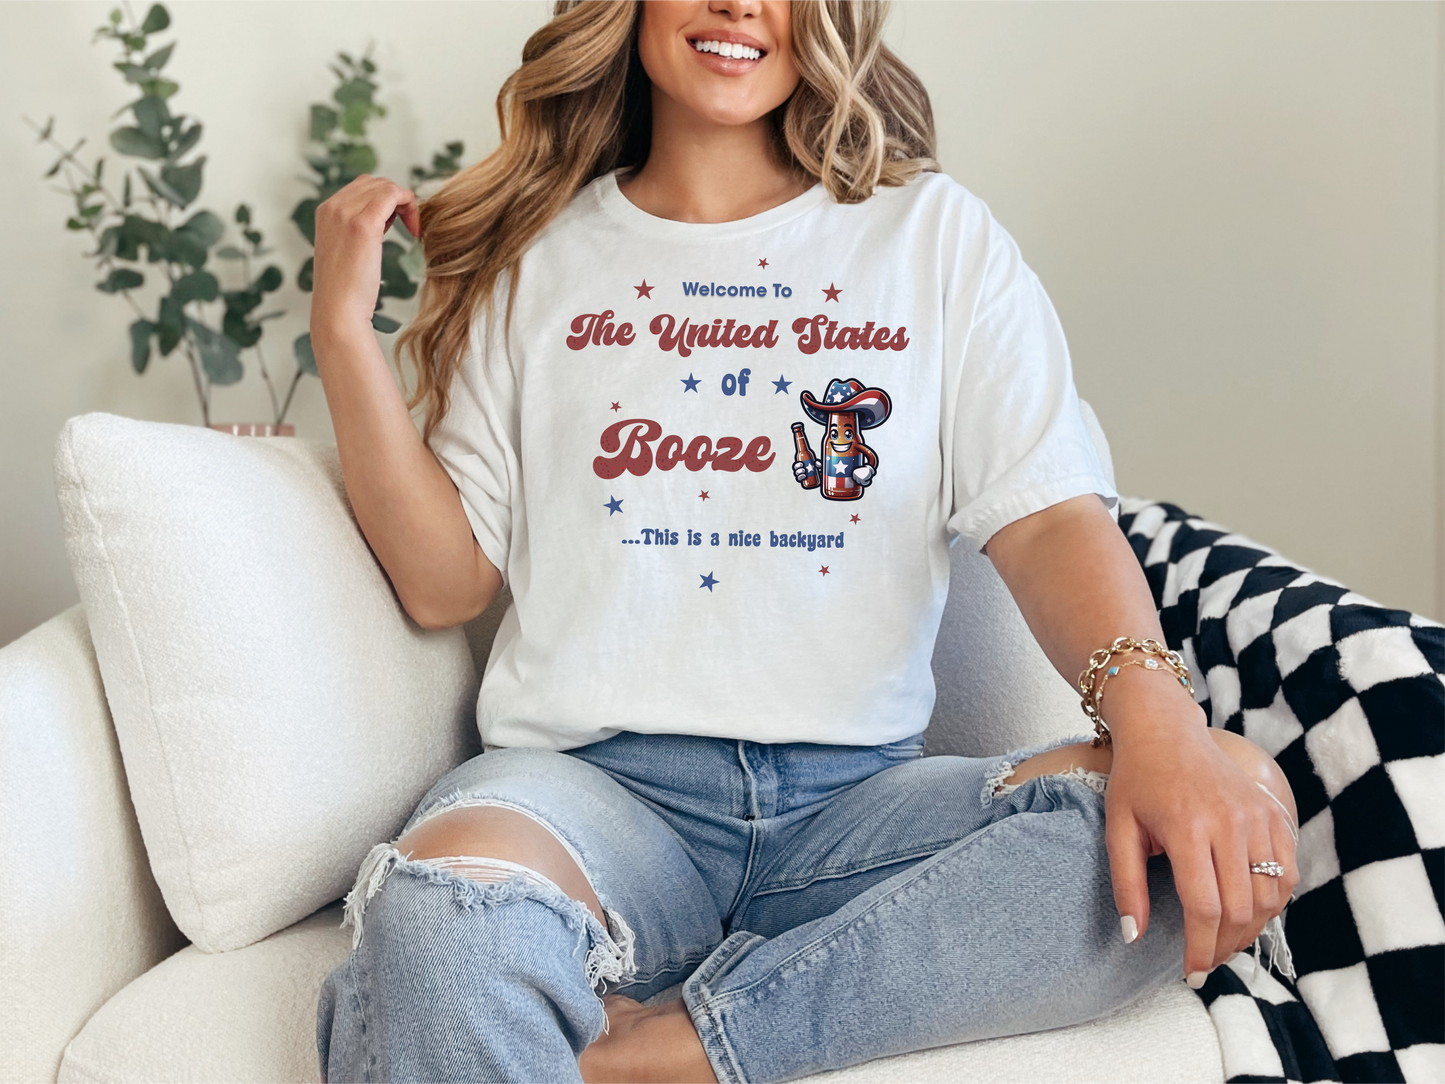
(405, 501)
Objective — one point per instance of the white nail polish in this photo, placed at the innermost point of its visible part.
(1129, 928)
(1196, 979)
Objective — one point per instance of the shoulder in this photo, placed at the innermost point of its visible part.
(933, 193)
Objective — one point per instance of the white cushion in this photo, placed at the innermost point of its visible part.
(251, 1015)
(996, 689)
(80, 915)
(277, 711)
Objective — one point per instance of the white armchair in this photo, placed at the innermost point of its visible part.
(100, 985)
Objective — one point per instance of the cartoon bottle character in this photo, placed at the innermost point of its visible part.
(847, 464)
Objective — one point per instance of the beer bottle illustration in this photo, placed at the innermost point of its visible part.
(848, 464)
(805, 459)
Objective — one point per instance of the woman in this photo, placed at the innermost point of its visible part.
(703, 734)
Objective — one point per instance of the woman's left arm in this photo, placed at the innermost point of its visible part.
(1171, 789)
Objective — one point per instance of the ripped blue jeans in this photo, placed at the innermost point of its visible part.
(819, 905)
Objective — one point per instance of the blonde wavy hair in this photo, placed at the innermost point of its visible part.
(580, 106)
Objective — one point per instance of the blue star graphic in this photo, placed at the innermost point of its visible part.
(691, 382)
(707, 581)
(614, 505)
(781, 384)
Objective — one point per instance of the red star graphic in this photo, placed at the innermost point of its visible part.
(618, 406)
(824, 570)
(762, 263)
(644, 290)
(854, 517)
(832, 292)
(703, 494)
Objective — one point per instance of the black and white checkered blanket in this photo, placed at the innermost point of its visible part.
(1349, 698)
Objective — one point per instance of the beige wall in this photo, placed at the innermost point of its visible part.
(1237, 210)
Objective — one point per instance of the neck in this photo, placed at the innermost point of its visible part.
(698, 171)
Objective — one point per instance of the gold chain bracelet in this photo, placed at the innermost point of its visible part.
(1094, 676)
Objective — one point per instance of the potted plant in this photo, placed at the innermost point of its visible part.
(152, 224)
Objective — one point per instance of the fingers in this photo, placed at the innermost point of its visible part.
(1232, 855)
(1128, 857)
(1267, 900)
(372, 203)
(1198, 887)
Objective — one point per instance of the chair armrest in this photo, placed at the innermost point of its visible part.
(80, 913)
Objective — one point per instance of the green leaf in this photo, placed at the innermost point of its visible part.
(137, 143)
(120, 278)
(303, 277)
(115, 16)
(126, 240)
(134, 73)
(152, 114)
(188, 139)
(161, 88)
(157, 60)
(53, 170)
(323, 122)
(243, 215)
(305, 356)
(384, 324)
(305, 218)
(269, 279)
(394, 281)
(358, 158)
(160, 188)
(230, 252)
(354, 118)
(183, 248)
(367, 66)
(185, 180)
(170, 326)
(125, 192)
(157, 19)
(354, 91)
(414, 263)
(140, 344)
(236, 328)
(205, 226)
(195, 286)
(220, 357)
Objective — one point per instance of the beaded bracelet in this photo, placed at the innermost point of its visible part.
(1097, 674)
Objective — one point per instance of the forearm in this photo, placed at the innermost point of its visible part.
(1079, 587)
(405, 502)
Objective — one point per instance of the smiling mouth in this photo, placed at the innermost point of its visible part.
(840, 447)
(730, 50)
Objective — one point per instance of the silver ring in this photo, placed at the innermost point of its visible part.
(1269, 869)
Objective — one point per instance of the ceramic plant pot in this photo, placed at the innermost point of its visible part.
(255, 429)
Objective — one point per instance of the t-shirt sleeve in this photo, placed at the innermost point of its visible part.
(1019, 439)
(476, 442)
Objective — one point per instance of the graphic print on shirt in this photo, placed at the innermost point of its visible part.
(847, 465)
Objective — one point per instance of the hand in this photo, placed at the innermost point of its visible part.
(800, 470)
(863, 474)
(1173, 789)
(350, 225)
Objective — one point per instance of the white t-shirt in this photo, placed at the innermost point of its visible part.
(628, 460)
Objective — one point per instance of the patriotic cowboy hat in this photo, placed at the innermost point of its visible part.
(870, 404)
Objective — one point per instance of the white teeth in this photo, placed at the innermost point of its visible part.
(732, 50)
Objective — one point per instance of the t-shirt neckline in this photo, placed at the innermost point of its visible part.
(621, 209)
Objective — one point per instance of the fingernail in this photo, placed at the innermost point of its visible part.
(1129, 928)
(1196, 979)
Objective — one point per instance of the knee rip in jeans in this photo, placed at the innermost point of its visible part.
(995, 787)
(480, 881)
